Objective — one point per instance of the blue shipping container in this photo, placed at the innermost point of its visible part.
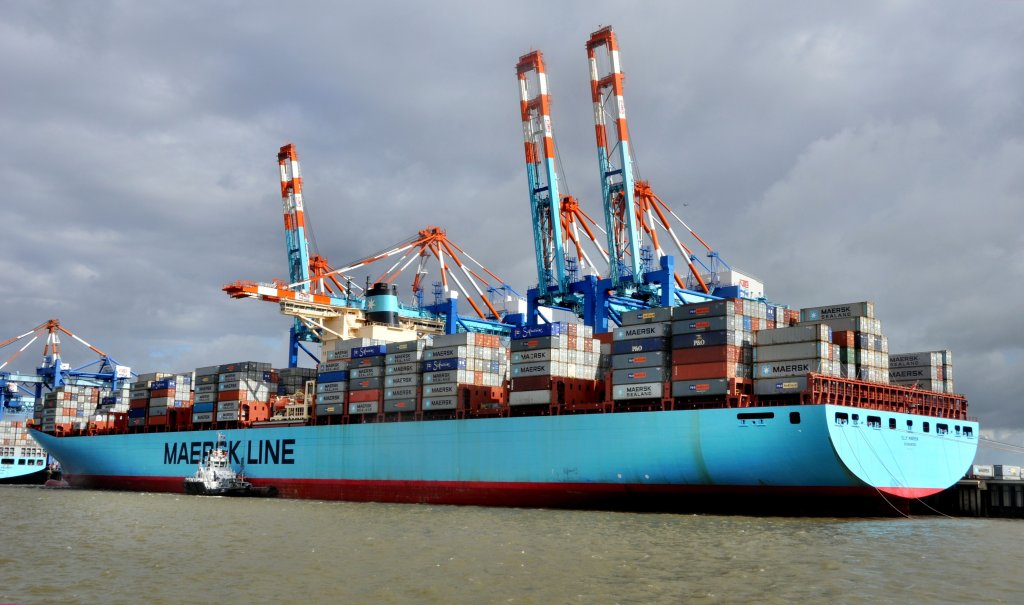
(136, 412)
(441, 365)
(339, 376)
(539, 330)
(199, 408)
(639, 345)
(370, 351)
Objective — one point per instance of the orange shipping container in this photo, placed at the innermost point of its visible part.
(156, 421)
(697, 371)
(363, 396)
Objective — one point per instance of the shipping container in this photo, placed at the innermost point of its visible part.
(538, 331)
(369, 351)
(700, 388)
(785, 369)
(780, 386)
(719, 369)
(708, 339)
(796, 350)
(440, 365)
(707, 324)
(334, 398)
(728, 353)
(983, 471)
(332, 387)
(915, 360)
(440, 403)
(646, 316)
(366, 362)
(402, 380)
(363, 407)
(403, 368)
(1006, 471)
(400, 405)
(642, 345)
(331, 366)
(339, 376)
(648, 390)
(407, 346)
(441, 390)
(360, 373)
(401, 393)
(228, 416)
(639, 375)
(198, 417)
(538, 355)
(794, 334)
(536, 397)
(460, 376)
(403, 358)
(640, 360)
(333, 409)
(364, 384)
(643, 331)
(843, 310)
(717, 308)
(365, 394)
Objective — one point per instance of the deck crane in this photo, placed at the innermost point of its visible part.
(317, 294)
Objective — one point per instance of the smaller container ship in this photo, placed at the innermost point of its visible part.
(22, 460)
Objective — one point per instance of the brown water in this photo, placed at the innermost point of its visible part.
(76, 546)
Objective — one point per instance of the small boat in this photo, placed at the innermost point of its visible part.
(215, 477)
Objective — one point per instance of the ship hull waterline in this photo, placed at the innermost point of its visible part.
(673, 460)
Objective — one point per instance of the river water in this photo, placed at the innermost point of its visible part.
(80, 546)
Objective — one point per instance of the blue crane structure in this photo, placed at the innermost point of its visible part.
(53, 372)
(637, 277)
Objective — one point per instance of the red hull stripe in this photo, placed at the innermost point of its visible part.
(568, 495)
(910, 493)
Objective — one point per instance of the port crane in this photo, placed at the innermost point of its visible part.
(633, 214)
(317, 293)
(54, 372)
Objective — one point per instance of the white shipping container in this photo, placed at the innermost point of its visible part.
(440, 403)
(227, 416)
(791, 334)
(228, 406)
(542, 397)
(647, 390)
(797, 350)
(784, 369)
(914, 360)
(363, 407)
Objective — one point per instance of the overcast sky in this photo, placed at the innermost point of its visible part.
(837, 152)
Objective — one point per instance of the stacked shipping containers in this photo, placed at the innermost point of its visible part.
(402, 375)
(640, 357)
(293, 380)
(139, 394)
(331, 387)
(69, 407)
(784, 356)
(929, 370)
(455, 360)
(366, 379)
(241, 383)
(205, 398)
(174, 391)
(859, 336)
(545, 352)
(711, 345)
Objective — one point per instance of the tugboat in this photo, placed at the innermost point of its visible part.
(215, 476)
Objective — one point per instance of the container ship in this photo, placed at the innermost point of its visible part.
(659, 390)
(554, 417)
(22, 460)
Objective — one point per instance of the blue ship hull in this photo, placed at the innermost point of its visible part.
(579, 460)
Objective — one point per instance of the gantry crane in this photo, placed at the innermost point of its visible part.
(633, 214)
(53, 372)
(316, 293)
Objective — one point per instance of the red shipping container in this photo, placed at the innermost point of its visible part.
(363, 396)
(138, 403)
(697, 371)
(162, 393)
(531, 383)
(708, 354)
(156, 421)
(845, 338)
